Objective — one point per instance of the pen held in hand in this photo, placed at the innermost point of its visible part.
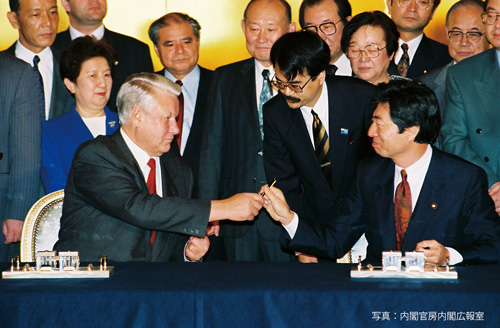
(270, 186)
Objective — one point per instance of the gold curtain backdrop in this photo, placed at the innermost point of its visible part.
(222, 40)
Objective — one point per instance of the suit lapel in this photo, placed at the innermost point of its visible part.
(430, 197)
(384, 205)
(249, 102)
(338, 141)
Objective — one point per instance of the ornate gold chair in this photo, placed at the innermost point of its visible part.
(41, 226)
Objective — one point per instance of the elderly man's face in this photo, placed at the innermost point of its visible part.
(86, 12)
(265, 23)
(466, 20)
(37, 23)
(178, 49)
(157, 127)
(326, 12)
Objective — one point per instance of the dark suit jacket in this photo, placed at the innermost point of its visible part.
(19, 140)
(108, 209)
(453, 208)
(61, 99)
(436, 80)
(133, 57)
(193, 146)
(471, 126)
(430, 55)
(289, 155)
(231, 155)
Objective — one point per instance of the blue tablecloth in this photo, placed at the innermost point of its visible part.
(251, 295)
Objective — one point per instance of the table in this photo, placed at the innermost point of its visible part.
(245, 294)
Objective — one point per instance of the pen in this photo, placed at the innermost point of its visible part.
(272, 184)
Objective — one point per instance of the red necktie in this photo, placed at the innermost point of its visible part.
(151, 183)
(181, 115)
(402, 208)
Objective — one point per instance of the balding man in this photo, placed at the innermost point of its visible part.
(231, 160)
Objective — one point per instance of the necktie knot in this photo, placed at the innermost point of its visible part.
(36, 60)
(265, 74)
(152, 163)
(179, 82)
(404, 46)
(404, 175)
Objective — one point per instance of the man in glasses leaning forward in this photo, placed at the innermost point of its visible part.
(316, 132)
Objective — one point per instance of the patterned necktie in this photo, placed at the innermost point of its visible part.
(39, 82)
(404, 62)
(180, 118)
(265, 95)
(151, 183)
(402, 208)
(322, 146)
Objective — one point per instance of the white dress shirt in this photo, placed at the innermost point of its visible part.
(416, 176)
(259, 79)
(96, 125)
(98, 33)
(46, 68)
(343, 66)
(412, 48)
(321, 108)
(190, 85)
(142, 159)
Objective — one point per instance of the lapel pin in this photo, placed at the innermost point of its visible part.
(112, 124)
(344, 131)
(434, 206)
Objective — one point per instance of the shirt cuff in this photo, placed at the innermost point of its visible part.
(455, 256)
(291, 228)
(186, 259)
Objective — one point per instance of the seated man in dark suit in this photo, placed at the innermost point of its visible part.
(422, 54)
(36, 37)
(411, 197)
(85, 18)
(127, 196)
(315, 177)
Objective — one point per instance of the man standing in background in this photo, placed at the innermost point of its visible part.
(85, 18)
(232, 150)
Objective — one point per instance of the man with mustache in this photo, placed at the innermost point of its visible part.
(314, 170)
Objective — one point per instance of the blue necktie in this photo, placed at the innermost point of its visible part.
(39, 82)
(265, 95)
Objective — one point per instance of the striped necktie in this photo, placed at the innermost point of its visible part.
(322, 147)
(39, 82)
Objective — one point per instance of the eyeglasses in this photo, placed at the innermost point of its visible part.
(283, 85)
(421, 4)
(326, 28)
(456, 36)
(371, 51)
(489, 18)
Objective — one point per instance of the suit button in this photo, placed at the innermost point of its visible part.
(479, 131)
(486, 159)
(1, 155)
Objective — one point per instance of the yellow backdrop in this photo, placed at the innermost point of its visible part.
(222, 40)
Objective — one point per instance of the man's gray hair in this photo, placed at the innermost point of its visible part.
(140, 90)
(169, 19)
